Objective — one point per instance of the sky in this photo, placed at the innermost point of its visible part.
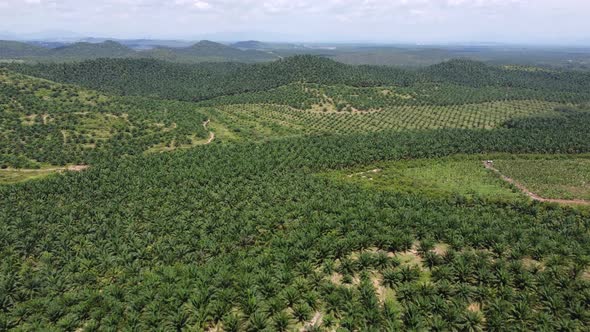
(388, 21)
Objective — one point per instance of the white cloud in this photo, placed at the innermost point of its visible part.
(197, 4)
(201, 5)
(396, 20)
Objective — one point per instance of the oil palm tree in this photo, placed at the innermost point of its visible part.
(281, 321)
(257, 322)
(472, 322)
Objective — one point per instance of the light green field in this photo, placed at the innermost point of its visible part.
(557, 178)
(14, 176)
(439, 178)
(11, 175)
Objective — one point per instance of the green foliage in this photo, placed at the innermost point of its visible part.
(209, 80)
(455, 178)
(262, 121)
(343, 98)
(153, 242)
(49, 123)
(562, 178)
(19, 175)
(248, 237)
(91, 51)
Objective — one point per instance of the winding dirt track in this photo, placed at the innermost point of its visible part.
(490, 166)
(211, 134)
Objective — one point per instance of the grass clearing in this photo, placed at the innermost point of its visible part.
(556, 178)
(552, 177)
(440, 178)
(9, 176)
(15, 176)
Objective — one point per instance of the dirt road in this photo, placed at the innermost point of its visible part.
(211, 134)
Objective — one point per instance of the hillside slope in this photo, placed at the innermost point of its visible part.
(204, 81)
(46, 123)
(207, 80)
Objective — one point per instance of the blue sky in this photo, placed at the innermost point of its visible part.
(405, 21)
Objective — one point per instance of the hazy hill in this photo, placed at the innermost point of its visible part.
(93, 50)
(15, 49)
(207, 51)
(250, 45)
(75, 51)
(142, 44)
(203, 51)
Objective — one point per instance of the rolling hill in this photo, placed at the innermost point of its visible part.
(107, 49)
(208, 80)
(203, 51)
(15, 49)
(250, 45)
(45, 123)
(207, 51)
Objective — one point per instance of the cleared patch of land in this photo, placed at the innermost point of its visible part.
(11, 175)
(546, 178)
(193, 141)
(439, 178)
(550, 178)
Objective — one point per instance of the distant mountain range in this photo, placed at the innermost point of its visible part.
(250, 45)
(253, 51)
(142, 44)
(258, 45)
(207, 51)
(203, 51)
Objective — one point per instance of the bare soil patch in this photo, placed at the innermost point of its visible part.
(379, 289)
(73, 168)
(336, 278)
(441, 249)
(530, 263)
(77, 168)
(211, 134)
(315, 321)
(211, 138)
(474, 307)
(373, 171)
